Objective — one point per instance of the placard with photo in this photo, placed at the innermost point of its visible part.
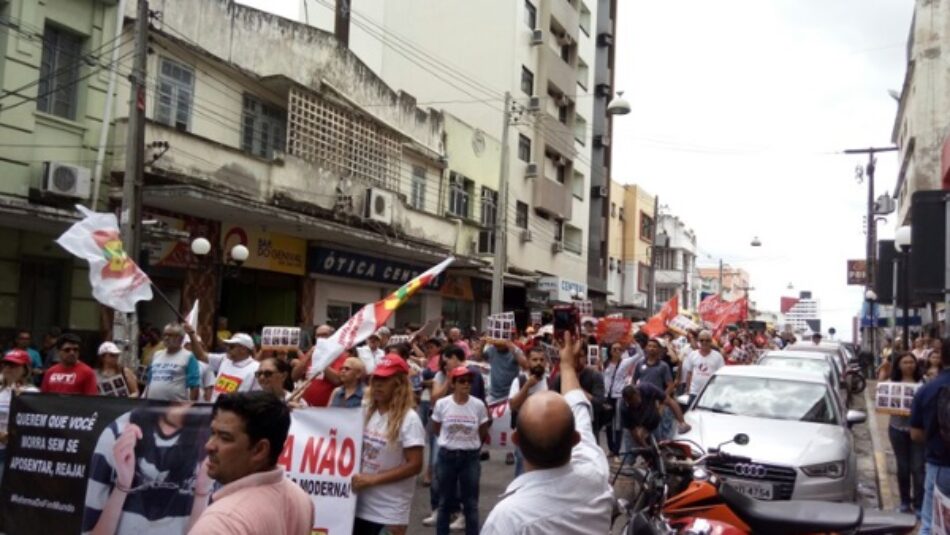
(894, 398)
(536, 317)
(585, 308)
(501, 326)
(280, 338)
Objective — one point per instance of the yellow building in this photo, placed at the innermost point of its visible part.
(635, 216)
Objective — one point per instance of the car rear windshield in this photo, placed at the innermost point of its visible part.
(821, 366)
(759, 397)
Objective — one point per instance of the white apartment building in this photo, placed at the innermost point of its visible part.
(922, 123)
(676, 272)
(802, 313)
(552, 56)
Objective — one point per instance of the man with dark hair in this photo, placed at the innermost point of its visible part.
(24, 341)
(70, 376)
(564, 489)
(248, 431)
(929, 412)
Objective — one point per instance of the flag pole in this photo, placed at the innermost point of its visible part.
(168, 302)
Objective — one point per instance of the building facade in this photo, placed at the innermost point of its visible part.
(56, 65)
(615, 232)
(676, 272)
(802, 313)
(922, 123)
(638, 221)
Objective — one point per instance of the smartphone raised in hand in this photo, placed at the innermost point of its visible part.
(566, 319)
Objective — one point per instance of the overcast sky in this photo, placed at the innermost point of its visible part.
(738, 108)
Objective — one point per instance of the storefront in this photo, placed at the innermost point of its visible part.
(562, 290)
(459, 308)
(266, 289)
(346, 280)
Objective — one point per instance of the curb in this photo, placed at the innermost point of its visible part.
(885, 498)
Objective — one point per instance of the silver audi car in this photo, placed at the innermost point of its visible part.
(800, 438)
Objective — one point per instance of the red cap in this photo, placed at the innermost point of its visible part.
(17, 356)
(391, 365)
(461, 371)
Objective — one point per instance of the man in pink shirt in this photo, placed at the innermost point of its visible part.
(248, 431)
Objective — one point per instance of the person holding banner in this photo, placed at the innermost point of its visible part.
(461, 424)
(393, 440)
(248, 432)
(927, 423)
(174, 374)
(273, 375)
(16, 380)
(234, 370)
(909, 455)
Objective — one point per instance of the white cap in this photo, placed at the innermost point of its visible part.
(241, 339)
(110, 348)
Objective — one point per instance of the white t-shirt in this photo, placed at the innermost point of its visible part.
(207, 375)
(459, 423)
(369, 358)
(388, 504)
(233, 376)
(702, 367)
(541, 386)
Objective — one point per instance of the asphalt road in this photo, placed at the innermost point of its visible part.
(496, 476)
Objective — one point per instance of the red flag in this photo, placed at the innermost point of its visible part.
(656, 325)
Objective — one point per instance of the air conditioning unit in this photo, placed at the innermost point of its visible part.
(601, 191)
(531, 170)
(534, 104)
(605, 39)
(378, 206)
(564, 40)
(526, 236)
(537, 37)
(601, 140)
(602, 90)
(557, 247)
(67, 180)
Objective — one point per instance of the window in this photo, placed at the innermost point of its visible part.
(643, 277)
(577, 185)
(527, 81)
(583, 73)
(573, 239)
(418, 198)
(646, 227)
(530, 15)
(489, 207)
(580, 130)
(585, 19)
(176, 84)
(665, 258)
(562, 174)
(613, 209)
(558, 230)
(59, 73)
(563, 113)
(460, 192)
(524, 148)
(620, 213)
(264, 128)
(521, 215)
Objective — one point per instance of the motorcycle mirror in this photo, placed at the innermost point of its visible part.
(741, 439)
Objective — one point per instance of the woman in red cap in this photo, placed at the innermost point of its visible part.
(393, 439)
(461, 423)
(15, 380)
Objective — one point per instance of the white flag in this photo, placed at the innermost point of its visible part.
(116, 281)
(192, 317)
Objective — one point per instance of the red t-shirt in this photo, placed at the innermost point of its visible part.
(318, 393)
(77, 379)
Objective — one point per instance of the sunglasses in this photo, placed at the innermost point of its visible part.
(69, 350)
(264, 373)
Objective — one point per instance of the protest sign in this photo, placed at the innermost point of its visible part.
(536, 317)
(552, 353)
(280, 338)
(61, 467)
(499, 434)
(611, 330)
(585, 309)
(321, 455)
(115, 386)
(501, 326)
(894, 398)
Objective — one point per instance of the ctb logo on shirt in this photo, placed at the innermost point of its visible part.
(63, 378)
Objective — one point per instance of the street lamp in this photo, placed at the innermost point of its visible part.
(618, 106)
(902, 241)
(756, 242)
(239, 254)
(200, 246)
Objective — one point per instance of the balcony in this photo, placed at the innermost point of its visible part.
(558, 72)
(566, 16)
(557, 135)
(551, 197)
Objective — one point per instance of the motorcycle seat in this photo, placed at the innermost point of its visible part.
(791, 517)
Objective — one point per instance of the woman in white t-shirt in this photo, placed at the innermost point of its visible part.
(393, 440)
(15, 381)
(461, 423)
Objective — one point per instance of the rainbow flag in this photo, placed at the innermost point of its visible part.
(370, 318)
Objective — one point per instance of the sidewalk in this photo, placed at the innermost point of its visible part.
(885, 465)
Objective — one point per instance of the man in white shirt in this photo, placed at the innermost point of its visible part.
(701, 364)
(370, 353)
(234, 371)
(565, 488)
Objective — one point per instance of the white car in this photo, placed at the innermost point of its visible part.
(800, 440)
(807, 360)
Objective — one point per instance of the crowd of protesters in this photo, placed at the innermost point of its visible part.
(425, 399)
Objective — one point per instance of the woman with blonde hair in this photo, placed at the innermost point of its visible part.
(393, 440)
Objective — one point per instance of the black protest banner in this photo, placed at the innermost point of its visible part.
(77, 464)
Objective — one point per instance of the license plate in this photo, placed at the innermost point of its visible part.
(753, 489)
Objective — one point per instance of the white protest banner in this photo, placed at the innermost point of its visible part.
(499, 434)
(321, 455)
(941, 512)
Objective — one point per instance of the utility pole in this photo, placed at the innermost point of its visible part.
(720, 278)
(501, 218)
(871, 234)
(651, 296)
(134, 171)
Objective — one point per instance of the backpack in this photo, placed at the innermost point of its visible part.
(943, 413)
